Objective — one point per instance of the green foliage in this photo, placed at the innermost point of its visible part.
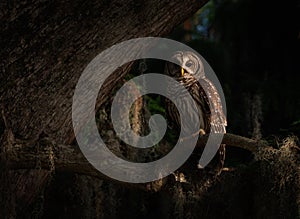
(154, 104)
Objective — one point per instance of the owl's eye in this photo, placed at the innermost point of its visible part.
(189, 64)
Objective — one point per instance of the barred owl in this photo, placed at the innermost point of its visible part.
(203, 92)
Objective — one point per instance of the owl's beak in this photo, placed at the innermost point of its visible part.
(182, 71)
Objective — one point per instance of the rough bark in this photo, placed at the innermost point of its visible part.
(65, 158)
(46, 45)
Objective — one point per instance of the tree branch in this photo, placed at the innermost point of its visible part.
(45, 154)
(233, 140)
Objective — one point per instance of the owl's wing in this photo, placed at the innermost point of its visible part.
(215, 116)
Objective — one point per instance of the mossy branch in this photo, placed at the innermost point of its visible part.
(66, 158)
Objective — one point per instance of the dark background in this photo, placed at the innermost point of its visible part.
(253, 46)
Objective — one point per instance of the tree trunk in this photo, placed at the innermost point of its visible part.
(45, 45)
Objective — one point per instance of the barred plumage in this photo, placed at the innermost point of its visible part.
(202, 90)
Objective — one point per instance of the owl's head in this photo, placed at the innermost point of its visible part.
(190, 65)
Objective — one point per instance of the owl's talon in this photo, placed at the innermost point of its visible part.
(200, 166)
(201, 132)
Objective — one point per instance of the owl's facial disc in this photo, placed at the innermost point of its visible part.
(189, 64)
(188, 67)
(185, 71)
